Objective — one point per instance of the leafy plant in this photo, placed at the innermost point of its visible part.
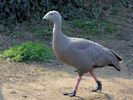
(28, 51)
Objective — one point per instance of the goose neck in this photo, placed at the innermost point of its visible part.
(57, 28)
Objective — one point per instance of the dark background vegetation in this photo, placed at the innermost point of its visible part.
(20, 11)
(21, 20)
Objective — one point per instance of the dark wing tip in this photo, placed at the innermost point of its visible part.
(118, 57)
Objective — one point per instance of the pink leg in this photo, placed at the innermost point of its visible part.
(93, 75)
(78, 81)
(73, 93)
(99, 85)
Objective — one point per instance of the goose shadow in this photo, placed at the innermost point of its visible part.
(79, 98)
(106, 95)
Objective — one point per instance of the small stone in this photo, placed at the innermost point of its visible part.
(28, 74)
(13, 92)
(19, 75)
(40, 94)
(11, 80)
(8, 59)
(24, 96)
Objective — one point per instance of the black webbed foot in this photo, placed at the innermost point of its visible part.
(99, 87)
(71, 94)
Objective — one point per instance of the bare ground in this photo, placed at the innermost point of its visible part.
(39, 81)
(47, 82)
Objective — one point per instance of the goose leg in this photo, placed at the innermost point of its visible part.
(99, 85)
(73, 93)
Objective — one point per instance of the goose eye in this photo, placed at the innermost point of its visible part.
(52, 14)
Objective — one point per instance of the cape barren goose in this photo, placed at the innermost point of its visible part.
(84, 55)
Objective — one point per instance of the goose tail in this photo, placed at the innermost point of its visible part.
(117, 56)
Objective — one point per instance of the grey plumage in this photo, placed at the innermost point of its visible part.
(78, 52)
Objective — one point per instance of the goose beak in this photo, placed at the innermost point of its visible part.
(45, 17)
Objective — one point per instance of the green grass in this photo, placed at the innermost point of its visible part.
(16, 34)
(28, 51)
(41, 31)
(93, 27)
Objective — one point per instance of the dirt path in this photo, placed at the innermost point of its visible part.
(42, 82)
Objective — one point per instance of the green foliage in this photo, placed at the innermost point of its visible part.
(96, 9)
(16, 34)
(28, 51)
(109, 27)
(40, 31)
(95, 27)
(13, 12)
(17, 11)
(114, 10)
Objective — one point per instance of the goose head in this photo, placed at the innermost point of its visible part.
(53, 16)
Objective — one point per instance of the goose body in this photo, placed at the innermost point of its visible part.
(83, 54)
(80, 53)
